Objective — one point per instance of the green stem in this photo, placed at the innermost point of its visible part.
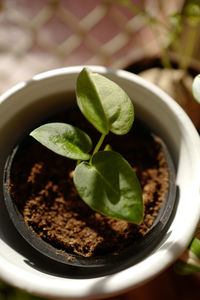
(189, 48)
(165, 60)
(98, 145)
(78, 162)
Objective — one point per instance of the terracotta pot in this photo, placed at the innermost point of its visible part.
(24, 267)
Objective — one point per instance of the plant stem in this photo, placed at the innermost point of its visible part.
(98, 145)
(165, 60)
(78, 162)
(192, 34)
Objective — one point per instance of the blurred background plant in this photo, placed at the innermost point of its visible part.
(43, 34)
(177, 61)
(9, 293)
(175, 32)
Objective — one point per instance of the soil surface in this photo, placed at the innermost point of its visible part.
(42, 186)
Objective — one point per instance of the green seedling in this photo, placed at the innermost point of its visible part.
(104, 179)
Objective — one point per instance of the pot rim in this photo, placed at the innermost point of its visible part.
(165, 255)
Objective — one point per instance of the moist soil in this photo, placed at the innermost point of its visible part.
(42, 187)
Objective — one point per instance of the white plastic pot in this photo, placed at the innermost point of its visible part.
(20, 107)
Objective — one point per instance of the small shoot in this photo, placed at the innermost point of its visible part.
(103, 179)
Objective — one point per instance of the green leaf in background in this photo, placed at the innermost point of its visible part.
(183, 268)
(189, 261)
(192, 12)
(176, 21)
(196, 88)
(96, 93)
(110, 186)
(8, 292)
(195, 247)
(89, 102)
(64, 139)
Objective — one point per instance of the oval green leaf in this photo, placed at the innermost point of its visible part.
(89, 102)
(196, 88)
(117, 105)
(101, 99)
(110, 186)
(64, 139)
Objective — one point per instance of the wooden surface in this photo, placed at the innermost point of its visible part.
(167, 286)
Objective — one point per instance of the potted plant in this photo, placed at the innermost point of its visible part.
(29, 269)
(45, 201)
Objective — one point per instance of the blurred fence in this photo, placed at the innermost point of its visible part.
(40, 35)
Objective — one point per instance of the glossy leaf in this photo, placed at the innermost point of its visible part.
(64, 139)
(116, 103)
(110, 186)
(89, 102)
(196, 88)
(96, 93)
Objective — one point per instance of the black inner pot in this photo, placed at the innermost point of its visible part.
(99, 265)
(155, 62)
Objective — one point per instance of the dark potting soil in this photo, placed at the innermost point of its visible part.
(42, 186)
